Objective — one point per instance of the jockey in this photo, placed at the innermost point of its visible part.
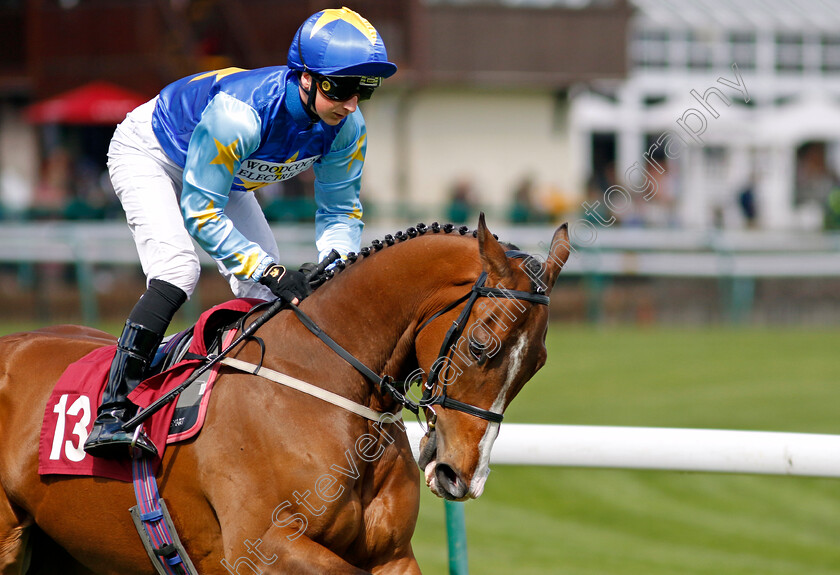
(184, 166)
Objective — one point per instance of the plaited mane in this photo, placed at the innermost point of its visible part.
(400, 236)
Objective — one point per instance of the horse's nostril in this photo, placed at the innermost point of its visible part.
(446, 473)
(449, 481)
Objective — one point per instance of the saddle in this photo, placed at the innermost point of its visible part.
(71, 407)
(216, 330)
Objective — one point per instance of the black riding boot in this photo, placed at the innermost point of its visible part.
(136, 347)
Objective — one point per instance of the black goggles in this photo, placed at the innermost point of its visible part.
(342, 88)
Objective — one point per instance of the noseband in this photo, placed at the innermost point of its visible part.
(386, 382)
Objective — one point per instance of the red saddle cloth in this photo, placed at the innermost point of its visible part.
(71, 408)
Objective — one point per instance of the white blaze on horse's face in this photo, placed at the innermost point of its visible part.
(485, 446)
(456, 484)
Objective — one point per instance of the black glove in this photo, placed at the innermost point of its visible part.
(285, 284)
(314, 280)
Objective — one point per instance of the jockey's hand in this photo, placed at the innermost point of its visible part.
(316, 280)
(290, 285)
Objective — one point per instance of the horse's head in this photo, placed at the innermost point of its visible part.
(493, 343)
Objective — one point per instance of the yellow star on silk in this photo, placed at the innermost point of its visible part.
(251, 186)
(357, 153)
(227, 154)
(248, 263)
(204, 216)
(346, 15)
(356, 214)
(218, 73)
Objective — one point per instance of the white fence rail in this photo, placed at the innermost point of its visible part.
(703, 450)
(664, 449)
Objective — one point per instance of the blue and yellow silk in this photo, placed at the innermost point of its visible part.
(234, 131)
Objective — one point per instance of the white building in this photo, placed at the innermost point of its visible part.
(739, 94)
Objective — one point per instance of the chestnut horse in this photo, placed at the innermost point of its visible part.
(279, 481)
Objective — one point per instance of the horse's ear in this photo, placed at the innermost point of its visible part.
(557, 255)
(493, 258)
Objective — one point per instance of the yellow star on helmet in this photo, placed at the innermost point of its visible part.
(357, 152)
(345, 15)
(227, 154)
(218, 73)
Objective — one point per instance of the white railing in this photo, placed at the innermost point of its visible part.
(704, 450)
(666, 449)
(614, 252)
(737, 257)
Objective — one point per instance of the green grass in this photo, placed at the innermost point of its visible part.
(617, 522)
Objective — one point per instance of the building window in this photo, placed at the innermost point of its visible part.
(789, 52)
(700, 51)
(650, 48)
(831, 54)
(742, 50)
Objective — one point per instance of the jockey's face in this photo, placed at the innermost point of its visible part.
(331, 112)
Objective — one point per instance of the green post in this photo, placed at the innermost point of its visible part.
(84, 277)
(741, 298)
(456, 535)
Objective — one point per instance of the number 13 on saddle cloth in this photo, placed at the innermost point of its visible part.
(68, 416)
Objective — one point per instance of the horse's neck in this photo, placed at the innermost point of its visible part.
(373, 308)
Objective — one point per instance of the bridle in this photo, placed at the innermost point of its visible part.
(454, 334)
(386, 382)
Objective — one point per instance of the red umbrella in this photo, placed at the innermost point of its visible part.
(94, 103)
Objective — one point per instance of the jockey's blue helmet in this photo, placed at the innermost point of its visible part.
(339, 42)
